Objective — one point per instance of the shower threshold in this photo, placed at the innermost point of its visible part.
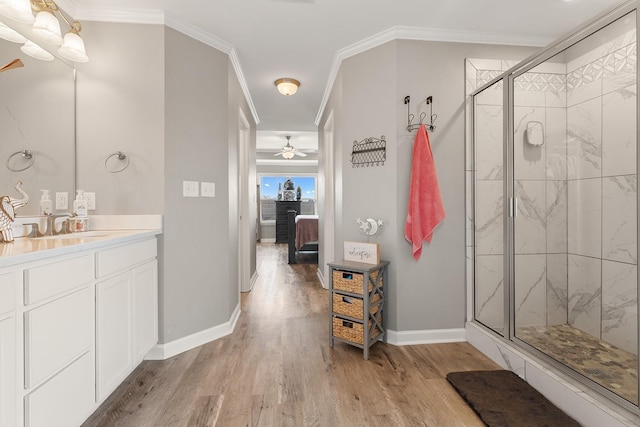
(611, 367)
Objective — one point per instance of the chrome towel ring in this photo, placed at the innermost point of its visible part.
(26, 155)
(120, 156)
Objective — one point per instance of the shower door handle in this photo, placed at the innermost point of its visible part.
(513, 207)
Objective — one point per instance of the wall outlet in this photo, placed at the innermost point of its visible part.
(62, 200)
(90, 199)
(208, 189)
(190, 188)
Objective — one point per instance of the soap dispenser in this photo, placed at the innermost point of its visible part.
(46, 205)
(80, 205)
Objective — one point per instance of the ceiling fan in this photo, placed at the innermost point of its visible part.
(288, 151)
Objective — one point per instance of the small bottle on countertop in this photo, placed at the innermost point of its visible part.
(46, 204)
(80, 205)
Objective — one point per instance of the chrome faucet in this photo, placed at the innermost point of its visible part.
(51, 224)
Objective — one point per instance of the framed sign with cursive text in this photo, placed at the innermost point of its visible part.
(368, 253)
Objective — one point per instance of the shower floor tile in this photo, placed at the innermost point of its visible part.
(603, 363)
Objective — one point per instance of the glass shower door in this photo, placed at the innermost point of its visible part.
(575, 229)
(489, 176)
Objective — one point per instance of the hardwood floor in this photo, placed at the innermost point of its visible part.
(277, 369)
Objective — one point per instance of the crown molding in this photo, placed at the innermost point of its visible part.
(421, 34)
(217, 43)
(69, 6)
(154, 16)
(126, 16)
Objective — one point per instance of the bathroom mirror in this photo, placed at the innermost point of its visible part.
(37, 119)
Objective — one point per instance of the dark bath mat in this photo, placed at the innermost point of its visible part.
(501, 399)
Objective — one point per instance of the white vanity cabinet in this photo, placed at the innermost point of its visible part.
(145, 309)
(126, 311)
(74, 323)
(59, 330)
(9, 288)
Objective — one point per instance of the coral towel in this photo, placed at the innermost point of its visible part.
(426, 210)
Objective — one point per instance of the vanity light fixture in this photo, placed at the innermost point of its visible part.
(287, 86)
(46, 27)
(10, 34)
(18, 10)
(35, 51)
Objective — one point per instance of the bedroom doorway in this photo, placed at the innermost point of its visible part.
(244, 221)
(327, 224)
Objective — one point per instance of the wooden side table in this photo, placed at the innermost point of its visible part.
(356, 303)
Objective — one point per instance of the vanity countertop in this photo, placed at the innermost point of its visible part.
(25, 249)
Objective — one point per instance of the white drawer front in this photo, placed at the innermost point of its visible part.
(124, 257)
(48, 280)
(66, 399)
(9, 282)
(56, 333)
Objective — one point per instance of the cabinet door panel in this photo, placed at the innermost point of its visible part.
(66, 399)
(9, 282)
(124, 257)
(145, 312)
(61, 276)
(8, 375)
(57, 333)
(114, 333)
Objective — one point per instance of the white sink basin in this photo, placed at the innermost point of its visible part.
(80, 235)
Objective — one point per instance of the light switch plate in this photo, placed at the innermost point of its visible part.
(62, 200)
(208, 189)
(190, 189)
(90, 199)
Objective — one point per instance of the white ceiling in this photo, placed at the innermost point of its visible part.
(305, 39)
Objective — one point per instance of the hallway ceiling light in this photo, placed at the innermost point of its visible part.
(287, 86)
(288, 151)
(47, 27)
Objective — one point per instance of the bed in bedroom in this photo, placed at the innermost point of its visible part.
(302, 238)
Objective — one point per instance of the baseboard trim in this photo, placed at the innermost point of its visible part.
(173, 348)
(268, 240)
(436, 336)
(321, 278)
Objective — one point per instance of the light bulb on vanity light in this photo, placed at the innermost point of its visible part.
(47, 27)
(35, 51)
(10, 34)
(73, 46)
(17, 10)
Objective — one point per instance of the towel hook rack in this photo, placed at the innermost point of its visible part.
(410, 117)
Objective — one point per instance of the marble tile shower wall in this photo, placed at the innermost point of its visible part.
(575, 230)
(602, 191)
(541, 189)
(484, 218)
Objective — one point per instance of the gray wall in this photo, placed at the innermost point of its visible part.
(195, 297)
(367, 100)
(120, 107)
(172, 104)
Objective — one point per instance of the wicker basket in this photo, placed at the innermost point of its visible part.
(352, 306)
(351, 331)
(348, 281)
